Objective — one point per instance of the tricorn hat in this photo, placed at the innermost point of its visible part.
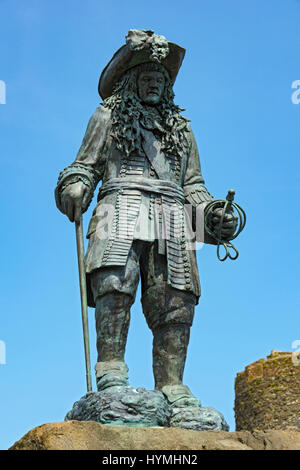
(141, 46)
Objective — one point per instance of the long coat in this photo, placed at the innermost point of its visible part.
(142, 197)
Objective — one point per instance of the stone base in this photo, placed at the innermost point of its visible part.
(89, 435)
(198, 418)
(127, 406)
(124, 406)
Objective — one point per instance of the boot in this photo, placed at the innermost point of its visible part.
(169, 356)
(169, 314)
(112, 323)
(111, 374)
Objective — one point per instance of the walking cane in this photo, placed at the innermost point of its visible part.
(83, 298)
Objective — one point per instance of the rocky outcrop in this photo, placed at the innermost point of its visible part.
(127, 406)
(267, 393)
(90, 435)
(122, 406)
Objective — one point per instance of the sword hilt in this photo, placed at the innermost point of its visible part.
(227, 205)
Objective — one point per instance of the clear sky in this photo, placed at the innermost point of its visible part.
(236, 86)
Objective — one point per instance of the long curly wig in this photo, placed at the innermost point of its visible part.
(129, 112)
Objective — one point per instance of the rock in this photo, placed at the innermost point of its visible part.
(124, 406)
(90, 435)
(198, 418)
(127, 406)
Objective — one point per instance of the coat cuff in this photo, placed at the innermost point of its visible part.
(197, 195)
(73, 174)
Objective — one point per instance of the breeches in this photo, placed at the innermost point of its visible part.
(162, 304)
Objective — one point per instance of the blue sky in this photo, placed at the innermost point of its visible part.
(236, 87)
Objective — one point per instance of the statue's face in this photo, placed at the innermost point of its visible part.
(151, 87)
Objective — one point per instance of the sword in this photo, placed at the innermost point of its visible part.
(83, 298)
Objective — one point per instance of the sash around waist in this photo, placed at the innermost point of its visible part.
(160, 187)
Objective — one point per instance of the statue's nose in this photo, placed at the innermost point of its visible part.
(154, 89)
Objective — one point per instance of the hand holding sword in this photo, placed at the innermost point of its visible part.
(223, 225)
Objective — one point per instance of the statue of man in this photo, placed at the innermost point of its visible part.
(144, 152)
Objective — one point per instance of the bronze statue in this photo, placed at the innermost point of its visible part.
(143, 150)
